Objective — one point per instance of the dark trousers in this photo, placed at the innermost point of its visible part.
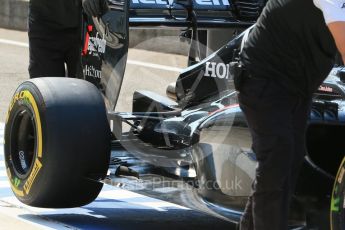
(277, 120)
(52, 52)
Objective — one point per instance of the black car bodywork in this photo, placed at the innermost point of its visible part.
(191, 147)
(194, 148)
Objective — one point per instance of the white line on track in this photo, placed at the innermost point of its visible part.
(154, 66)
(131, 62)
(28, 219)
(139, 200)
(15, 43)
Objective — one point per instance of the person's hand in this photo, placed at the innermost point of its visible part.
(95, 7)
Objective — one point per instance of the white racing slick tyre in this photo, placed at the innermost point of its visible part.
(57, 142)
(338, 200)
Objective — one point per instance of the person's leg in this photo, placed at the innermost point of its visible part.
(268, 112)
(271, 188)
(299, 113)
(73, 54)
(50, 49)
(44, 61)
(300, 118)
(73, 62)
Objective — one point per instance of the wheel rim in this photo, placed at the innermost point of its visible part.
(23, 142)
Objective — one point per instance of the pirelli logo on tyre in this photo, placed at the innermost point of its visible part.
(22, 187)
(31, 179)
(27, 97)
(15, 98)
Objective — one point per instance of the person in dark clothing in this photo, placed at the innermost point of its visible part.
(55, 36)
(287, 55)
